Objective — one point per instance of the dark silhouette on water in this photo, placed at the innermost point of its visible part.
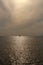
(19, 35)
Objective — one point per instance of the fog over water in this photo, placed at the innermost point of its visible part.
(21, 50)
(23, 17)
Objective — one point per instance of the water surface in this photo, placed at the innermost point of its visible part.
(21, 50)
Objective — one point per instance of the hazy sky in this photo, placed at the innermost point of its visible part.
(21, 17)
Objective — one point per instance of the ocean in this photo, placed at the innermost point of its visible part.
(21, 50)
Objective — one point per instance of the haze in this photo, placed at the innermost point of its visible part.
(23, 17)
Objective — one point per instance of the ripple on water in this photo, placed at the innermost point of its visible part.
(21, 50)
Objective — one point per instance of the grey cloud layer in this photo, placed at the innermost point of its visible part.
(27, 20)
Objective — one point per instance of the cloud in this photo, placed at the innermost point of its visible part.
(4, 18)
(25, 18)
(33, 17)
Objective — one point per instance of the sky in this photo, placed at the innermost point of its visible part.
(23, 17)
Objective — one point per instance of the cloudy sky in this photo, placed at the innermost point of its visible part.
(23, 17)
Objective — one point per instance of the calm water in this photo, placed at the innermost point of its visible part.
(21, 50)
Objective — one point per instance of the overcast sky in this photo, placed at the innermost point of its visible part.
(23, 17)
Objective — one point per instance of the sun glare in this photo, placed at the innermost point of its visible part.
(20, 1)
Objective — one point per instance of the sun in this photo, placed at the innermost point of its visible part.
(20, 1)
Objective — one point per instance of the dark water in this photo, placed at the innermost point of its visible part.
(21, 50)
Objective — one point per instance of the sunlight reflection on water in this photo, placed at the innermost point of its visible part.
(20, 44)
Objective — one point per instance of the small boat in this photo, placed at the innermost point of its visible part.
(19, 35)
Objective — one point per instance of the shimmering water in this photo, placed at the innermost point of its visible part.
(21, 50)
